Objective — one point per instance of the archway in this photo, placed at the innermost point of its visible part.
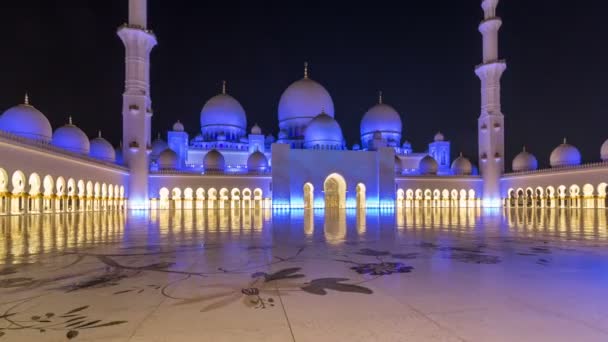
(309, 196)
(4, 194)
(601, 195)
(335, 191)
(18, 182)
(34, 193)
(400, 197)
(588, 199)
(164, 198)
(361, 199)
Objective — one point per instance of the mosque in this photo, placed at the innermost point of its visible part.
(232, 163)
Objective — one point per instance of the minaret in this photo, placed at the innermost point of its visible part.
(137, 105)
(491, 119)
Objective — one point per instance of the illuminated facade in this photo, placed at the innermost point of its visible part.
(232, 164)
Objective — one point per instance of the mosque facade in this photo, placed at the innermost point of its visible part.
(232, 163)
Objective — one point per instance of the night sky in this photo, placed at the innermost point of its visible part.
(421, 54)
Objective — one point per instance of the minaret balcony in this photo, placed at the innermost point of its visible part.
(133, 146)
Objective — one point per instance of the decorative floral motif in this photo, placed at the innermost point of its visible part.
(382, 268)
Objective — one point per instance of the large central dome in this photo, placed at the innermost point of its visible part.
(302, 101)
(223, 114)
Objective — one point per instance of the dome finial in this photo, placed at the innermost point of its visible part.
(99, 134)
(380, 96)
(565, 141)
(70, 120)
(158, 135)
(26, 100)
(305, 69)
(524, 148)
(461, 154)
(224, 87)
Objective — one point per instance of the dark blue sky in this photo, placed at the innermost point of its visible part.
(420, 53)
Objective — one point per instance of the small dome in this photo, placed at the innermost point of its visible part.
(462, 166)
(323, 132)
(71, 138)
(382, 118)
(398, 165)
(214, 161)
(101, 149)
(257, 162)
(26, 121)
(256, 130)
(406, 144)
(565, 155)
(305, 98)
(168, 159)
(604, 151)
(158, 145)
(356, 147)
(178, 127)
(439, 137)
(428, 166)
(524, 161)
(222, 112)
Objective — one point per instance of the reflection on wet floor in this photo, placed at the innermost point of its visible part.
(22, 238)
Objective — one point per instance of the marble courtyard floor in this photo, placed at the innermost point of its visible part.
(257, 275)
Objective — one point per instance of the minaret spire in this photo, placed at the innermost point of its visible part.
(491, 120)
(137, 103)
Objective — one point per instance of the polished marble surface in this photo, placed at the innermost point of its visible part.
(260, 275)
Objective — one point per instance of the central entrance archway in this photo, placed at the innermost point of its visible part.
(335, 191)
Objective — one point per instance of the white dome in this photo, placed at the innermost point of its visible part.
(604, 151)
(178, 127)
(439, 137)
(214, 161)
(462, 166)
(428, 166)
(158, 145)
(223, 112)
(256, 130)
(257, 162)
(168, 159)
(323, 132)
(382, 118)
(524, 161)
(565, 155)
(71, 138)
(26, 121)
(101, 149)
(304, 99)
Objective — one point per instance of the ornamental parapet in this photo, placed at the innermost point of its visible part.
(596, 165)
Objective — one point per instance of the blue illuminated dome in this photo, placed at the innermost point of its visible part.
(71, 138)
(462, 166)
(214, 161)
(223, 114)
(324, 133)
(384, 119)
(428, 166)
(565, 155)
(257, 162)
(101, 149)
(168, 159)
(524, 161)
(301, 102)
(26, 121)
